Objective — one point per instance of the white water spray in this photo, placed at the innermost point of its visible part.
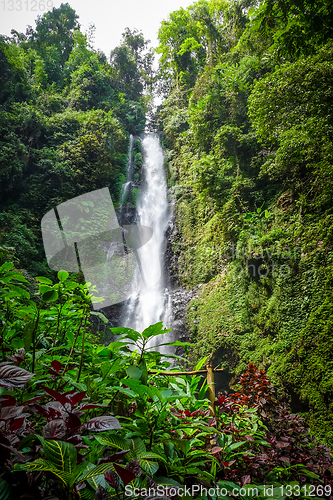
(153, 303)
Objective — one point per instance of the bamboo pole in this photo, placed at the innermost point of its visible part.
(211, 389)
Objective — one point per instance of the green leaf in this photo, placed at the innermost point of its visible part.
(176, 342)
(134, 372)
(150, 467)
(310, 474)
(114, 441)
(101, 316)
(169, 449)
(5, 490)
(154, 330)
(42, 279)
(96, 471)
(266, 214)
(28, 334)
(13, 275)
(150, 454)
(138, 446)
(235, 445)
(96, 481)
(201, 363)
(21, 292)
(228, 485)
(61, 454)
(62, 275)
(87, 494)
(138, 387)
(126, 332)
(44, 465)
(166, 481)
(6, 266)
(50, 296)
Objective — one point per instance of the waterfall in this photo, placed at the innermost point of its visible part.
(153, 303)
(126, 190)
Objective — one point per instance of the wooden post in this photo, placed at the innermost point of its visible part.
(211, 389)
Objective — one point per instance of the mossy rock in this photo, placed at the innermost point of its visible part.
(138, 161)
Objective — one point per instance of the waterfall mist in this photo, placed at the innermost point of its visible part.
(153, 303)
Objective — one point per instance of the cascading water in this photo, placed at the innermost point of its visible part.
(152, 304)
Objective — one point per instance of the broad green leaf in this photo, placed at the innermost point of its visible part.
(21, 292)
(44, 465)
(42, 279)
(114, 441)
(62, 275)
(154, 330)
(13, 275)
(28, 334)
(138, 446)
(44, 289)
(96, 471)
(63, 455)
(169, 449)
(134, 372)
(150, 454)
(235, 445)
(6, 266)
(144, 375)
(138, 387)
(167, 394)
(50, 296)
(97, 480)
(228, 485)
(126, 332)
(127, 392)
(87, 494)
(149, 467)
(176, 343)
(80, 469)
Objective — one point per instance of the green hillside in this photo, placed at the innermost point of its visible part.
(248, 130)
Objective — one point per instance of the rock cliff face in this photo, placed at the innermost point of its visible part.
(180, 296)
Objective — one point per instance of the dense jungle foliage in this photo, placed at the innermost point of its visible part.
(247, 128)
(66, 112)
(60, 388)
